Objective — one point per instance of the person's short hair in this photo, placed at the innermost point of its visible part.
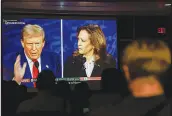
(147, 57)
(45, 80)
(97, 39)
(30, 30)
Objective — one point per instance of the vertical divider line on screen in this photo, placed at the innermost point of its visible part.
(62, 67)
(1, 55)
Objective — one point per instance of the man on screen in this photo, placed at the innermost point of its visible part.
(32, 41)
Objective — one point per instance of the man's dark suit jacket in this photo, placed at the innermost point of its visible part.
(74, 66)
(49, 61)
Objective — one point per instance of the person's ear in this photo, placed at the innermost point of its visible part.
(43, 43)
(126, 72)
(22, 43)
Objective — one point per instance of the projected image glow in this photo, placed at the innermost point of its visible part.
(51, 44)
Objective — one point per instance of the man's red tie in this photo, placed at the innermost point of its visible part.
(35, 72)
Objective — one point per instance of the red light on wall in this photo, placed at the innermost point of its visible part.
(161, 30)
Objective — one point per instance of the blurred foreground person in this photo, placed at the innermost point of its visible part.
(144, 62)
(80, 104)
(13, 93)
(113, 90)
(44, 102)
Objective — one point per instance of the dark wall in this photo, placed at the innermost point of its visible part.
(170, 26)
(133, 27)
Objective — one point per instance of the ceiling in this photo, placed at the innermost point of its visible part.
(91, 8)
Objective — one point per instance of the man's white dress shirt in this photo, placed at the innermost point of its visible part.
(31, 63)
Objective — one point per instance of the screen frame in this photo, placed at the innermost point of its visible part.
(10, 16)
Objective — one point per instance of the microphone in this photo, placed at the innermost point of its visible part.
(36, 64)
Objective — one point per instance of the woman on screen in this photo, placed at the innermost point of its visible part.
(91, 58)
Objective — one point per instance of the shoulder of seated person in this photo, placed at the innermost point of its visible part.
(25, 106)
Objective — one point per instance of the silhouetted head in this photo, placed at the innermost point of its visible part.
(82, 89)
(113, 81)
(144, 58)
(63, 89)
(4, 82)
(46, 80)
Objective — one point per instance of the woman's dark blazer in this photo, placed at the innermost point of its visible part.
(74, 66)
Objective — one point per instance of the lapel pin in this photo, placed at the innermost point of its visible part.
(47, 66)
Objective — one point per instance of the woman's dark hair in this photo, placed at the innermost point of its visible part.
(97, 39)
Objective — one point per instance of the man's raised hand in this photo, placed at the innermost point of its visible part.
(19, 70)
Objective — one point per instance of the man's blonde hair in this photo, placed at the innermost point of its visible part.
(151, 56)
(32, 31)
